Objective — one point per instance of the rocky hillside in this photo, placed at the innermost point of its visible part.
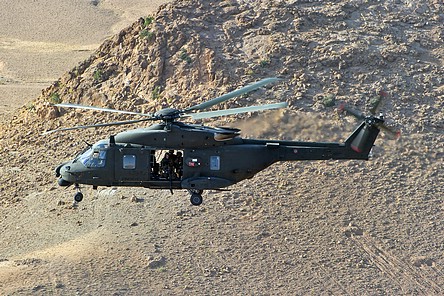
(375, 225)
(194, 50)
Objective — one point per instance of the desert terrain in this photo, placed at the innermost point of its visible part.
(321, 228)
(40, 40)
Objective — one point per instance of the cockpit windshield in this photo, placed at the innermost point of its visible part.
(95, 156)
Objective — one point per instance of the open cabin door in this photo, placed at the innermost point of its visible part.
(166, 165)
(166, 169)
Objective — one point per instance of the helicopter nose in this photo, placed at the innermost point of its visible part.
(57, 170)
(62, 171)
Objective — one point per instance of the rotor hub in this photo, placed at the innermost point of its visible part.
(372, 120)
(167, 114)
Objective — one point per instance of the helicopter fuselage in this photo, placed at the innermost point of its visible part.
(204, 157)
(175, 155)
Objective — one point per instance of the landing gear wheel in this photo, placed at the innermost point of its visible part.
(196, 199)
(78, 197)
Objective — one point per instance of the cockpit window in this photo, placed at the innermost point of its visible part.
(95, 156)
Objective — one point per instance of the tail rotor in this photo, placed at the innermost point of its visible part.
(373, 119)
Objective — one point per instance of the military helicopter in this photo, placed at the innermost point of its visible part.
(171, 154)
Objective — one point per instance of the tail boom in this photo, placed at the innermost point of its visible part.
(357, 146)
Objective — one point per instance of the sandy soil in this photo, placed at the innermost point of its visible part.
(40, 40)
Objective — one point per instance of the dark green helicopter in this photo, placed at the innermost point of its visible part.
(176, 155)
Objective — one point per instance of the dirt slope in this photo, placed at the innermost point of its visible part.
(342, 228)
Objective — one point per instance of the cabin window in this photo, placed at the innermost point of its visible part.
(214, 163)
(129, 162)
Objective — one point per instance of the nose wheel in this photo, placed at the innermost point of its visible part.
(196, 197)
(78, 197)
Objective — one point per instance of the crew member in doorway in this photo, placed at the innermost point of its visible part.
(167, 164)
(178, 164)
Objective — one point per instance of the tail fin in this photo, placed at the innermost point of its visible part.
(363, 138)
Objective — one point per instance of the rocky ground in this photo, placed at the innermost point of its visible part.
(333, 227)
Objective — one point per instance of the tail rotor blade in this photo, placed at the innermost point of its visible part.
(396, 134)
(377, 102)
(355, 113)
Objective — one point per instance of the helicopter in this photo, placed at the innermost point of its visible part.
(171, 154)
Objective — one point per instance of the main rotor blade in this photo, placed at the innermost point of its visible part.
(68, 105)
(232, 94)
(211, 114)
(95, 125)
